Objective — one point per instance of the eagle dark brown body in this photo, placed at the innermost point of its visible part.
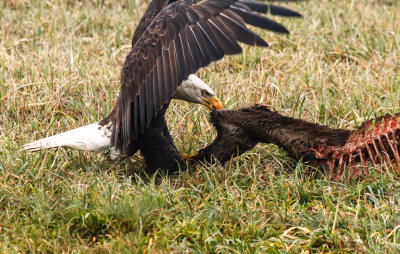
(340, 150)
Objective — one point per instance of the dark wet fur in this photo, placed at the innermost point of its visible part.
(240, 130)
(342, 152)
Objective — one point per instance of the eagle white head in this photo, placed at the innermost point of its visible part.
(195, 90)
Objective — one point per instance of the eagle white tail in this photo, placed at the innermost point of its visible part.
(92, 138)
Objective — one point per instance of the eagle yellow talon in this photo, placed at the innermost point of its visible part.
(184, 156)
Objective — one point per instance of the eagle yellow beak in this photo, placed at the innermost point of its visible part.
(212, 103)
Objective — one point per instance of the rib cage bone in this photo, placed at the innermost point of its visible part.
(376, 141)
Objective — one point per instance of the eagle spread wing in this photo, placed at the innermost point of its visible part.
(184, 36)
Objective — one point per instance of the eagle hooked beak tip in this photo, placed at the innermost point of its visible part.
(213, 103)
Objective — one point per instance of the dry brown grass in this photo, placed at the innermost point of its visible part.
(59, 69)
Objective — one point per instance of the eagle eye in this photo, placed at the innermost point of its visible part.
(205, 93)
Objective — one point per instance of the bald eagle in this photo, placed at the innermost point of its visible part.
(172, 41)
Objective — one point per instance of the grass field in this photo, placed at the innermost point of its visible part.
(59, 69)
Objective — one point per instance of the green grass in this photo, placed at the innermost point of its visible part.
(59, 69)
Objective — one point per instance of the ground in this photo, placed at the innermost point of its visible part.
(59, 69)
